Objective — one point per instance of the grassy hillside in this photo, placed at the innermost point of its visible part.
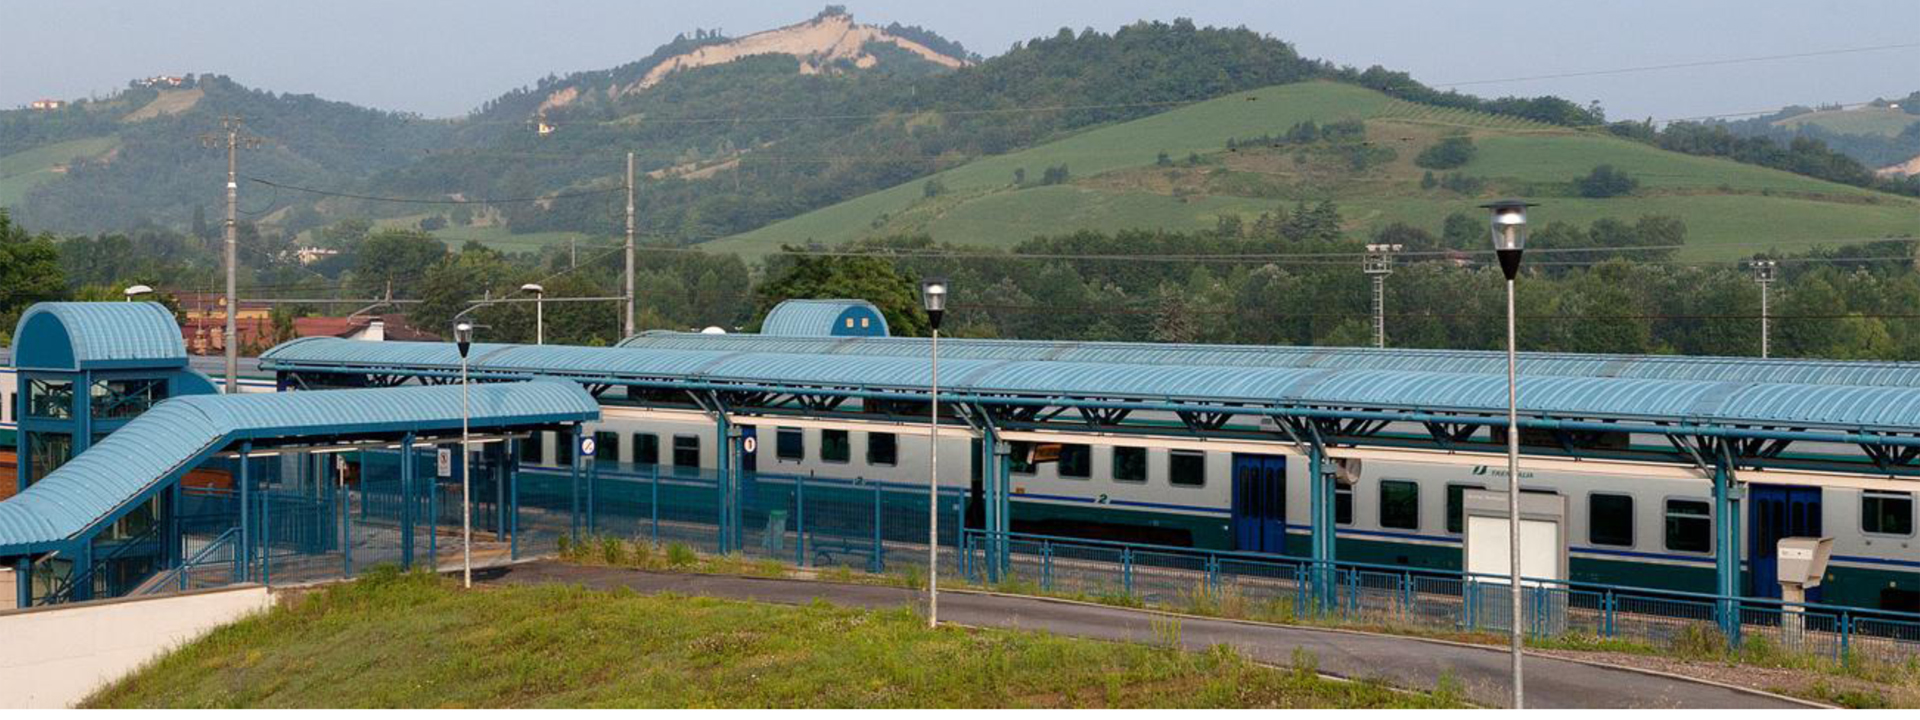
(1866, 120)
(417, 641)
(23, 170)
(1730, 208)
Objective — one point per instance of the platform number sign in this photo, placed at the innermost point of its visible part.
(749, 444)
(587, 446)
(443, 461)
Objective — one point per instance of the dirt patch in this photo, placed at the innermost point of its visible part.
(817, 42)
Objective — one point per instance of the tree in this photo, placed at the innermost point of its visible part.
(1606, 182)
(398, 259)
(29, 271)
(1055, 175)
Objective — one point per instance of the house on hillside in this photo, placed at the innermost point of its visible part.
(46, 104)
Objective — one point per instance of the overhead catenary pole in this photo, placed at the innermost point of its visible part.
(231, 124)
(1378, 265)
(628, 302)
(1763, 274)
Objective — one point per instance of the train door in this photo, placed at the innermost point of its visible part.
(1779, 511)
(1260, 503)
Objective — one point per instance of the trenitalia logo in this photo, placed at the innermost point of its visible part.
(1497, 472)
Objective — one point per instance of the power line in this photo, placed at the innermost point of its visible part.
(1265, 313)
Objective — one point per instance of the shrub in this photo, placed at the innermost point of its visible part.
(1449, 153)
(1605, 181)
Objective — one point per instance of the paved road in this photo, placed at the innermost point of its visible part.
(1404, 662)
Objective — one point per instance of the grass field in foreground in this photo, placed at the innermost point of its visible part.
(393, 640)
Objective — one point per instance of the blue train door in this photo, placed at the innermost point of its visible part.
(1778, 511)
(1260, 503)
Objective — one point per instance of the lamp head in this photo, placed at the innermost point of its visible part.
(1509, 223)
(133, 291)
(534, 288)
(933, 297)
(463, 336)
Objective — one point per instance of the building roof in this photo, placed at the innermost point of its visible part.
(180, 433)
(73, 336)
(824, 318)
(396, 327)
(1650, 367)
(1604, 398)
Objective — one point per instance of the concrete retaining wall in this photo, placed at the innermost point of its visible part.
(54, 657)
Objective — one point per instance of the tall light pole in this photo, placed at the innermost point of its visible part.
(539, 311)
(463, 338)
(137, 290)
(1509, 240)
(1763, 274)
(933, 296)
(1378, 265)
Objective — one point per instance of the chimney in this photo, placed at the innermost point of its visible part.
(376, 330)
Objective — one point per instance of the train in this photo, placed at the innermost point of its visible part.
(1638, 525)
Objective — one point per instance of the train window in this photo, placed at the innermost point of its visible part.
(1130, 464)
(606, 446)
(790, 443)
(1456, 506)
(1076, 461)
(1400, 504)
(1610, 519)
(533, 449)
(686, 450)
(1020, 457)
(563, 449)
(835, 446)
(1886, 513)
(1342, 504)
(1186, 468)
(646, 448)
(882, 449)
(1689, 525)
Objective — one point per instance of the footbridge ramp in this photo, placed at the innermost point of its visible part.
(63, 511)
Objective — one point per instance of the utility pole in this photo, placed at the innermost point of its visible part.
(1378, 265)
(1763, 274)
(629, 294)
(234, 139)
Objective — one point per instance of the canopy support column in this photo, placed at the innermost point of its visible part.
(244, 477)
(406, 502)
(1726, 558)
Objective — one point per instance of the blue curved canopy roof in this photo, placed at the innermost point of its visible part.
(75, 336)
(180, 433)
(1665, 367)
(1728, 402)
(824, 318)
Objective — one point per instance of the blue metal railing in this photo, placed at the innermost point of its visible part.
(1432, 597)
(182, 575)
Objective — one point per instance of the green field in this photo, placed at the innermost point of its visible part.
(1867, 120)
(417, 641)
(23, 170)
(1731, 209)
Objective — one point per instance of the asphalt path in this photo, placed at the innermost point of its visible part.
(1404, 662)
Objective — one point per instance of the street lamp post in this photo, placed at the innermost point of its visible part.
(1509, 240)
(137, 290)
(1378, 265)
(463, 337)
(539, 311)
(933, 295)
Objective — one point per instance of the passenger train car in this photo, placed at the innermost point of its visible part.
(1630, 524)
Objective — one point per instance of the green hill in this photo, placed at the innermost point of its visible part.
(21, 171)
(1118, 181)
(1867, 120)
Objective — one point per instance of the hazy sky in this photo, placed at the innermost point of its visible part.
(444, 57)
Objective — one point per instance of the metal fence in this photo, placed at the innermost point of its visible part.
(1268, 587)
